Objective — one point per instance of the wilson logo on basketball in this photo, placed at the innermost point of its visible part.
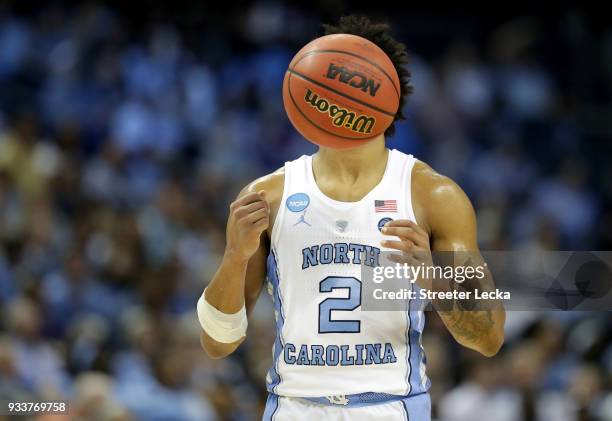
(341, 117)
(352, 78)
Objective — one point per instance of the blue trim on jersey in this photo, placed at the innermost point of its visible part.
(279, 343)
(419, 406)
(272, 405)
(405, 410)
(369, 399)
(409, 346)
(417, 356)
(357, 400)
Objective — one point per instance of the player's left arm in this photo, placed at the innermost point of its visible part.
(447, 222)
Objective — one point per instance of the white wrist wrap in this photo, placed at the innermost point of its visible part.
(222, 327)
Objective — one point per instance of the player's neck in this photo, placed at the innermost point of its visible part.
(354, 162)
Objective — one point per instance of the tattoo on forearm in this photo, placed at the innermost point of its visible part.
(470, 319)
(470, 325)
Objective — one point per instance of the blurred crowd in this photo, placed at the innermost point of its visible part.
(122, 144)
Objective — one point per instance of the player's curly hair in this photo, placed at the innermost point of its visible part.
(380, 34)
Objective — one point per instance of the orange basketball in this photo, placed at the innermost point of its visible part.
(340, 91)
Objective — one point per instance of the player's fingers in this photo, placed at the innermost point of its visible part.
(406, 246)
(407, 233)
(248, 198)
(255, 216)
(399, 223)
(419, 237)
(398, 257)
(262, 223)
(402, 258)
(245, 210)
(406, 223)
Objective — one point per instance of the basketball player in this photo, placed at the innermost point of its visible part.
(306, 228)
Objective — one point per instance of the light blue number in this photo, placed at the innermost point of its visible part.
(326, 324)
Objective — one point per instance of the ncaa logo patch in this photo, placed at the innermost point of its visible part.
(297, 202)
(382, 223)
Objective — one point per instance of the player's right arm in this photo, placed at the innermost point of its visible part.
(239, 278)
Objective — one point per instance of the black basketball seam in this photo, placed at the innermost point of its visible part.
(315, 124)
(354, 55)
(322, 85)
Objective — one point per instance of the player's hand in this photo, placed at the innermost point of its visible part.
(412, 242)
(412, 238)
(249, 217)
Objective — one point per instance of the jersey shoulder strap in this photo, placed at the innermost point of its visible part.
(398, 178)
(296, 177)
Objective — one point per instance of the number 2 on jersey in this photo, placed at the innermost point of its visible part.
(329, 284)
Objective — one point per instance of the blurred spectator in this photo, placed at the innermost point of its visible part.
(94, 399)
(41, 367)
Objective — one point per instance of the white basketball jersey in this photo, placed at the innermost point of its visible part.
(326, 346)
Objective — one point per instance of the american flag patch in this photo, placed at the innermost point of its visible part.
(385, 205)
